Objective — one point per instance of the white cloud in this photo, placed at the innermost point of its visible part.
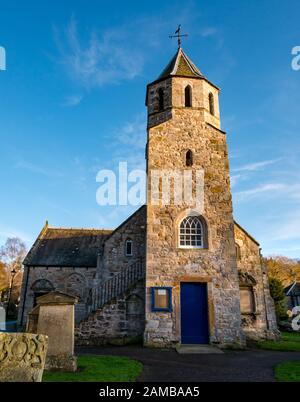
(103, 59)
(269, 188)
(72, 100)
(256, 165)
(33, 168)
(234, 179)
(209, 31)
(8, 232)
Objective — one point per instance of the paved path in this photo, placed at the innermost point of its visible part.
(168, 365)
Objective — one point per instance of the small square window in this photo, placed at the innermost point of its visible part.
(162, 299)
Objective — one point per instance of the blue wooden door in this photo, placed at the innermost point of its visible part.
(194, 313)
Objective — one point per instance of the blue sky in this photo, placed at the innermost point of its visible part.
(72, 102)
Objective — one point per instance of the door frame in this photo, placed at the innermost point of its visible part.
(210, 304)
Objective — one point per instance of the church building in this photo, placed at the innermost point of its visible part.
(172, 273)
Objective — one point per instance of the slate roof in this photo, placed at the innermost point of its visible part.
(182, 66)
(293, 289)
(58, 247)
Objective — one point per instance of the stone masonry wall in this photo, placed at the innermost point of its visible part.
(75, 281)
(114, 257)
(174, 98)
(119, 322)
(261, 324)
(167, 264)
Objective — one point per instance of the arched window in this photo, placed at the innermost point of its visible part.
(128, 248)
(191, 233)
(189, 158)
(188, 96)
(161, 101)
(211, 104)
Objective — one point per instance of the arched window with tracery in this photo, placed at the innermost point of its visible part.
(191, 233)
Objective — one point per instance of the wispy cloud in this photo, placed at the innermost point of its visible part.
(6, 232)
(234, 179)
(109, 57)
(72, 100)
(255, 166)
(269, 188)
(209, 31)
(100, 60)
(94, 58)
(33, 168)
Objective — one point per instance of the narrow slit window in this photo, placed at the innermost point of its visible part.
(188, 96)
(211, 104)
(189, 158)
(161, 101)
(128, 248)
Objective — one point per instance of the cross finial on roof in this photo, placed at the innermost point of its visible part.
(178, 35)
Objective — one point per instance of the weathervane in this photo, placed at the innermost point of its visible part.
(178, 35)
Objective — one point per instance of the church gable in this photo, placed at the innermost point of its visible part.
(126, 244)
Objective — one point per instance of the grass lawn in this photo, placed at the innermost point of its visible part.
(288, 372)
(98, 369)
(290, 341)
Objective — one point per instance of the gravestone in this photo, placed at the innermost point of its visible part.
(54, 316)
(2, 318)
(22, 357)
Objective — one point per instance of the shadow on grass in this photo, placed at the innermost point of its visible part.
(99, 369)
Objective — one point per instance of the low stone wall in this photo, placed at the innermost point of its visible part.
(22, 357)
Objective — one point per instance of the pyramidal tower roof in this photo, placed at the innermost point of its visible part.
(182, 66)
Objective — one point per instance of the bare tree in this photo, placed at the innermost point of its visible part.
(13, 253)
(4, 277)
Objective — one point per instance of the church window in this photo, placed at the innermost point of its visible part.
(161, 101)
(188, 96)
(191, 234)
(247, 300)
(211, 104)
(189, 158)
(162, 299)
(128, 248)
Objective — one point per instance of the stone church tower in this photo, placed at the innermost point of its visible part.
(179, 270)
(189, 251)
